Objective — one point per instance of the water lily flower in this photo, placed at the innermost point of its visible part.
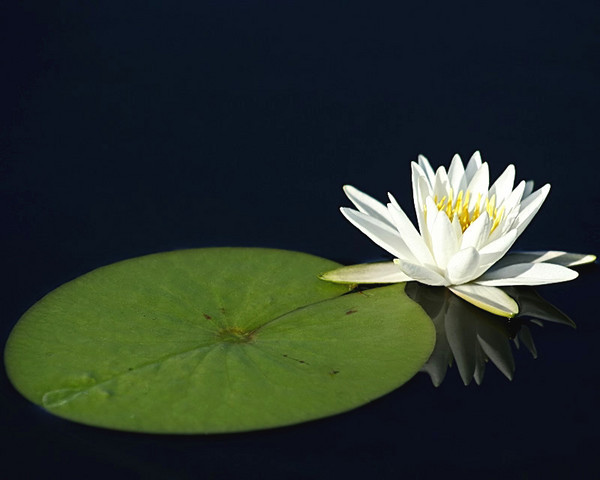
(465, 229)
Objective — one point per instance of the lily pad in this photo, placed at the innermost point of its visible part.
(214, 340)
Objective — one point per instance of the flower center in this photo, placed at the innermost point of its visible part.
(459, 207)
(234, 335)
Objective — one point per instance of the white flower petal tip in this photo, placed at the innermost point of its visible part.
(383, 272)
(490, 299)
(565, 259)
(366, 204)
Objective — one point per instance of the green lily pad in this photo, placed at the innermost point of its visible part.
(214, 340)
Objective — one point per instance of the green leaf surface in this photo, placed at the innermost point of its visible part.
(214, 340)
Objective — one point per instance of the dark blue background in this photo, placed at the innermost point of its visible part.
(135, 127)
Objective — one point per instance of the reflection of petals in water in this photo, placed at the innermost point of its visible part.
(470, 336)
(534, 306)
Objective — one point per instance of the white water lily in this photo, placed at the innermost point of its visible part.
(465, 230)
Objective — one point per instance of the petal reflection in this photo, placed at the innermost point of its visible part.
(470, 337)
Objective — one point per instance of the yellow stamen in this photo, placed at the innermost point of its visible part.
(459, 207)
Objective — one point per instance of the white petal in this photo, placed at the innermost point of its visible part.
(426, 167)
(441, 187)
(526, 274)
(528, 188)
(421, 274)
(476, 234)
(479, 184)
(382, 272)
(491, 299)
(421, 190)
(393, 201)
(456, 175)
(530, 206)
(550, 256)
(473, 165)
(383, 235)
(500, 245)
(462, 266)
(367, 204)
(457, 228)
(495, 250)
(513, 198)
(432, 213)
(416, 172)
(410, 235)
(444, 243)
(502, 187)
(511, 210)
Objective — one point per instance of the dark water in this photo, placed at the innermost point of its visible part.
(134, 127)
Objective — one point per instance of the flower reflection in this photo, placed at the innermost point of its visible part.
(470, 337)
